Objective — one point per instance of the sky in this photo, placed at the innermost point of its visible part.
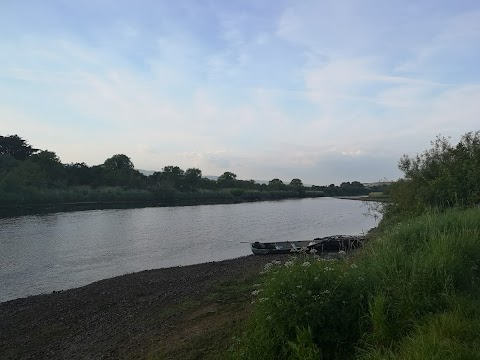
(325, 91)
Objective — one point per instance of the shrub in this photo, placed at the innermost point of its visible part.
(441, 177)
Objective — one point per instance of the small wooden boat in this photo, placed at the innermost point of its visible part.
(282, 247)
(325, 244)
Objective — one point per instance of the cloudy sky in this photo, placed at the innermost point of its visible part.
(327, 91)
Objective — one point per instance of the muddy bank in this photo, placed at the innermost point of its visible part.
(115, 318)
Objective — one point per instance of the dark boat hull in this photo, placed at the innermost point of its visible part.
(326, 244)
(282, 247)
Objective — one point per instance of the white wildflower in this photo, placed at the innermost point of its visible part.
(256, 292)
(263, 299)
(353, 266)
(306, 263)
(288, 263)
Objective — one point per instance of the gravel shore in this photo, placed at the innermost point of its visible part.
(112, 318)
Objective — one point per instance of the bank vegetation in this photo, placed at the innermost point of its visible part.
(32, 180)
(411, 293)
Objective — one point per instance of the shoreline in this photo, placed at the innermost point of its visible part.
(99, 320)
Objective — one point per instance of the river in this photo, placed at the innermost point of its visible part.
(41, 254)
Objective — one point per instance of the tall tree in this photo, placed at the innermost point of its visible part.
(193, 177)
(276, 184)
(7, 162)
(50, 163)
(173, 175)
(118, 162)
(296, 183)
(16, 147)
(227, 179)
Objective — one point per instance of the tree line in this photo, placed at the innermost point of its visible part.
(31, 175)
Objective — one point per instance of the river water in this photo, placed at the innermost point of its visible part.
(40, 254)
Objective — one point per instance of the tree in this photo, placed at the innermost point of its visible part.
(192, 177)
(79, 174)
(227, 179)
(442, 176)
(166, 181)
(16, 147)
(46, 157)
(296, 183)
(26, 175)
(7, 162)
(171, 176)
(50, 163)
(118, 162)
(276, 184)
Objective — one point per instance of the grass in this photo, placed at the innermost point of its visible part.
(32, 200)
(205, 328)
(409, 294)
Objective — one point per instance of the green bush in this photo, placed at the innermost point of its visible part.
(443, 176)
(328, 297)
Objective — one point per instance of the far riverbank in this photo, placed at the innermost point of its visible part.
(14, 210)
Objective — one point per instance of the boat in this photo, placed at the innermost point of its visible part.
(281, 247)
(320, 245)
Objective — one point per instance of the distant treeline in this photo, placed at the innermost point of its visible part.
(30, 176)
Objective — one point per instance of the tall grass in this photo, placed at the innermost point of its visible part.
(74, 194)
(31, 195)
(396, 298)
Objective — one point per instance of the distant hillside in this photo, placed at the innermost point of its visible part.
(146, 172)
(211, 177)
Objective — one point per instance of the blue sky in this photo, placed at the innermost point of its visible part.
(327, 91)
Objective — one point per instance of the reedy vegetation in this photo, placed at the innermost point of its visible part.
(411, 293)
